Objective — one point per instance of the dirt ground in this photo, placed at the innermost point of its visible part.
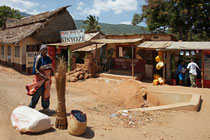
(95, 98)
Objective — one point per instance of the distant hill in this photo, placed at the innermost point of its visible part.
(24, 14)
(114, 29)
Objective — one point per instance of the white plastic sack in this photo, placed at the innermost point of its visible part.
(26, 119)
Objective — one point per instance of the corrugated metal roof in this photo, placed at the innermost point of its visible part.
(190, 46)
(63, 44)
(88, 37)
(89, 48)
(116, 41)
(155, 44)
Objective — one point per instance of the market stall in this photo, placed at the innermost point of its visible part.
(71, 40)
(155, 50)
(122, 56)
(198, 51)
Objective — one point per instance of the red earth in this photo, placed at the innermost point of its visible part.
(98, 98)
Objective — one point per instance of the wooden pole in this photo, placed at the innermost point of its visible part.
(202, 70)
(168, 67)
(96, 54)
(69, 59)
(96, 61)
(132, 61)
(164, 67)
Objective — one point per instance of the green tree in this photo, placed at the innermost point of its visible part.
(187, 19)
(92, 24)
(7, 12)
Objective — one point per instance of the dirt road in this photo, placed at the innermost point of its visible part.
(89, 96)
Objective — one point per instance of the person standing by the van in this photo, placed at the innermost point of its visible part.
(192, 72)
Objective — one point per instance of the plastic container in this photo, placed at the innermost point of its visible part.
(156, 76)
(155, 82)
(161, 81)
(158, 58)
(159, 65)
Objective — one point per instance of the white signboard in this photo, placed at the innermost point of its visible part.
(30, 58)
(72, 36)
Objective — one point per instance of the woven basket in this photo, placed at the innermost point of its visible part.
(76, 127)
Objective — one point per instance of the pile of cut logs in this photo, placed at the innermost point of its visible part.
(77, 74)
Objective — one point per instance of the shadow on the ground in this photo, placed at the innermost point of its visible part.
(68, 114)
(49, 113)
(199, 108)
(41, 133)
(89, 134)
(147, 80)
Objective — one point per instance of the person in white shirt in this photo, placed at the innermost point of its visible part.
(192, 72)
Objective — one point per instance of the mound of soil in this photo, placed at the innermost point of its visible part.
(129, 94)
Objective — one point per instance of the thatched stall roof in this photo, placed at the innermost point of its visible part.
(13, 35)
(42, 17)
(16, 30)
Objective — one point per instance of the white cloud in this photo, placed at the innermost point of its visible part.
(118, 6)
(34, 12)
(21, 5)
(126, 22)
(80, 5)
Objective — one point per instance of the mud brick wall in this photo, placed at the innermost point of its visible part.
(89, 65)
(73, 63)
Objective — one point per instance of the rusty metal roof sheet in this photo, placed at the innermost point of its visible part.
(189, 46)
(89, 48)
(155, 44)
(116, 41)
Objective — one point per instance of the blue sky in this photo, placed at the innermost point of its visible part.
(108, 11)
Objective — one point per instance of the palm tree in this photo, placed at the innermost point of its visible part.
(92, 24)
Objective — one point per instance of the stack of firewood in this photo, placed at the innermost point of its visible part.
(77, 74)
